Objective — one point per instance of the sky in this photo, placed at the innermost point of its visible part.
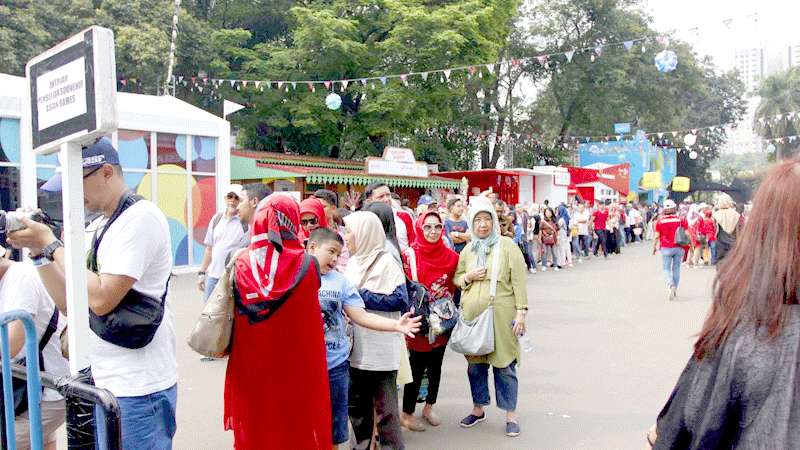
(769, 24)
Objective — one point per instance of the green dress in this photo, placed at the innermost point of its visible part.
(511, 294)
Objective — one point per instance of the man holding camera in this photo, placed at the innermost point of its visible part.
(132, 343)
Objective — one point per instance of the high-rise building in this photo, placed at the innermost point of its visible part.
(794, 55)
(750, 63)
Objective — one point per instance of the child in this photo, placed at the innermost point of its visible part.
(338, 297)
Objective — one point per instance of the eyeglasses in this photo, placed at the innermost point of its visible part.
(91, 172)
(428, 228)
(311, 221)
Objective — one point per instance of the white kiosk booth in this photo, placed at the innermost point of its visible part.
(172, 153)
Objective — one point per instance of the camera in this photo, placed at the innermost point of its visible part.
(11, 221)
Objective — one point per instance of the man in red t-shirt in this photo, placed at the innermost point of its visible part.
(671, 253)
(599, 218)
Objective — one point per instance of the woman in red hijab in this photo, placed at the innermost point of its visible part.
(312, 216)
(277, 367)
(430, 262)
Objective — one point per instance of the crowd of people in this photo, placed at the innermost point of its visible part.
(340, 308)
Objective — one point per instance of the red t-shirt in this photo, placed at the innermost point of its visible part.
(600, 218)
(666, 227)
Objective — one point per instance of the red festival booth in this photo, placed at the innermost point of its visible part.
(600, 182)
(505, 183)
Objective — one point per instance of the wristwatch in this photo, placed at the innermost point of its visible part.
(48, 251)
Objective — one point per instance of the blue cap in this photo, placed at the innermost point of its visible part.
(425, 200)
(97, 154)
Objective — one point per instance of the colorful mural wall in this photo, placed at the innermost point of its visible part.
(639, 153)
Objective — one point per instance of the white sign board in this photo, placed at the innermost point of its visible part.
(399, 162)
(73, 90)
(561, 178)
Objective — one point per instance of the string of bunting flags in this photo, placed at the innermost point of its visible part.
(665, 61)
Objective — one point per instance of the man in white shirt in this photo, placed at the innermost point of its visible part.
(226, 233)
(582, 217)
(133, 265)
(20, 288)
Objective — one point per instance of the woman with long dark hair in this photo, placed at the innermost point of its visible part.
(385, 213)
(739, 389)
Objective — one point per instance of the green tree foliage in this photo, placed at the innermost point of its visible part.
(780, 94)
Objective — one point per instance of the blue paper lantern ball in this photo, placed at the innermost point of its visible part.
(333, 101)
(666, 61)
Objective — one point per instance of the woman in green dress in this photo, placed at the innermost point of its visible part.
(510, 308)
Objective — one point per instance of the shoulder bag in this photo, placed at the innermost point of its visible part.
(439, 316)
(211, 335)
(476, 337)
(134, 321)
(681, 237)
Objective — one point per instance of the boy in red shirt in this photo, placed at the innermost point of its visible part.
(671, 253)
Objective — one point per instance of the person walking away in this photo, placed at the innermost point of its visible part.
(456, 228)
(21, 289)
(225, 233)
(710, 231)
(599, 222)
(549, 231)
(375, 358)
(739, 388)
(429, 262)
(129, 261)
(564, 251)
(729, 222)
(671, 253)
(338, 297)
(510, 307)
(698, 237)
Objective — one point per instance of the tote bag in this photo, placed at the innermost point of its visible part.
(212, 331)
(476, 337)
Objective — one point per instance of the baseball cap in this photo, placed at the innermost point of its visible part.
(425, 200)
(97, 154)
(669, 204)
(235, 189)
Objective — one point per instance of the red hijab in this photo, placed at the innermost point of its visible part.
(268, 271)
(436, 263)
(314, 207)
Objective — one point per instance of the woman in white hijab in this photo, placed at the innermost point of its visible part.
(376, 355)
(509, 305)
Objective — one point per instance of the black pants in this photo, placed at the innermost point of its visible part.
(422, 362)
(602, 241)
(371, 393)
(524, 250)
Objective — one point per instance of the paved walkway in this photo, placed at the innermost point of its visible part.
(608, 350)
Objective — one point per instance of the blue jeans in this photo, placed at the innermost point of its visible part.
(211, 283)
(147, 421)
(339, 380)
(713, 248)
(671, 258)
(505, 385)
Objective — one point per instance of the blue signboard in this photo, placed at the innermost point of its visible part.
(622, 128)
(639, 152)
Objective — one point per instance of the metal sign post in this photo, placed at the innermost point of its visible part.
(72, 103)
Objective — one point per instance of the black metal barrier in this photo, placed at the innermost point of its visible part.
(81, 399)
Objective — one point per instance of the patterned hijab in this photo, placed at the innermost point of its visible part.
(269, 270)
(481, 247)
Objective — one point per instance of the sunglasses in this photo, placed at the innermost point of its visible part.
(312, 221)
(91, 172)
(429, 228)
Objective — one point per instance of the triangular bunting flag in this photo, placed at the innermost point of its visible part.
(660, 135)
(200, 88)
(345, 83)
(258, 84)
(180, 78)
(404, 78)
(569, 55)
(294, 85)
(598, 50)
(424, 76)
(383, 80)
(490, 68)
(363, 81)
(205, 80)
(311, 87)
(628, 45)
(674, 134)
(694, 130)
(244, 83)
(124, 82)
(472, 70)
(327, 84)
(232, 82)
(542, 59)
(447, 74)
(280, 84)
(193, 78)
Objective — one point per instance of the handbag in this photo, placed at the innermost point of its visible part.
(20, 386)
(211, 335)
(476, 337)
(134, 321)
(439, 316)
(549, 238)
(681, 237)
